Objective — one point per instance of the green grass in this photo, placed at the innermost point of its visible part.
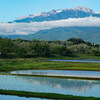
(45, 95)
(75, 57)
(38, 63)
(79, 57)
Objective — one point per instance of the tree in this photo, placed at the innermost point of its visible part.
(80, 49)
(21, 52)
(6, 46)
(96, 52)
(40, 49)
(76, 40)
(63, 51)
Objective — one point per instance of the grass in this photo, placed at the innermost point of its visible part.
(78, 57)
(45, 95)
(39, 64)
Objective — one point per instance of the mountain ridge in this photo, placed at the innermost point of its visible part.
(90, 34)
(57, 14)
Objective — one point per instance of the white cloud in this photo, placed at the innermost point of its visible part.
(33, 27)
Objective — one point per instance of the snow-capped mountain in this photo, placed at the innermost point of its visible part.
(85, 9)
(77, 12)
(80, 22)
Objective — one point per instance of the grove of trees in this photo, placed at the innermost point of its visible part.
(35, 48)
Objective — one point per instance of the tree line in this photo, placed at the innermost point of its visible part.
(40, 48)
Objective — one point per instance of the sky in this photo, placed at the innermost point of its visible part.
(13, 9)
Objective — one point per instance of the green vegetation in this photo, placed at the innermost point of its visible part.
(25, 55)
(29, 49)
(45, 95)
(35, 64)
(96, 52)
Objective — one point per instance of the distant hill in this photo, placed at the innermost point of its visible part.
(78, 12)
(96, 15)
(91, 34)
(11, 36)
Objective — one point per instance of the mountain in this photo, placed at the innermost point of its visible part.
(78, 12)
(96, 15)
(91, 34)
(11, 36)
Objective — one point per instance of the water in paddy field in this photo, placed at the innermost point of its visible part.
(51, 85)
(95, 74)
(93, 61)
(8, 97)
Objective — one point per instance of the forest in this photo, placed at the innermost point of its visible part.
(19, 48)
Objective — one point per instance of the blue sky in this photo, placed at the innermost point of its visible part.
(12, 9)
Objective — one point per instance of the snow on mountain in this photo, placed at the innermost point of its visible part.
(85, 9)
(57, 14)
(78, 8)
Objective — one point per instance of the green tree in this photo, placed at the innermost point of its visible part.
(96, 52)
(21, 52)
(40, 49)
(63, 51)
(6, 46)
(76, 40)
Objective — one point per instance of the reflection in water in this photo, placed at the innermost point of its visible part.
(51, 85)
(29, 72)
(76, 85)
(95, 74)
(9, 97)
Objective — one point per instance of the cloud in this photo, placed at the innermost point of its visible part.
(33, 27)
